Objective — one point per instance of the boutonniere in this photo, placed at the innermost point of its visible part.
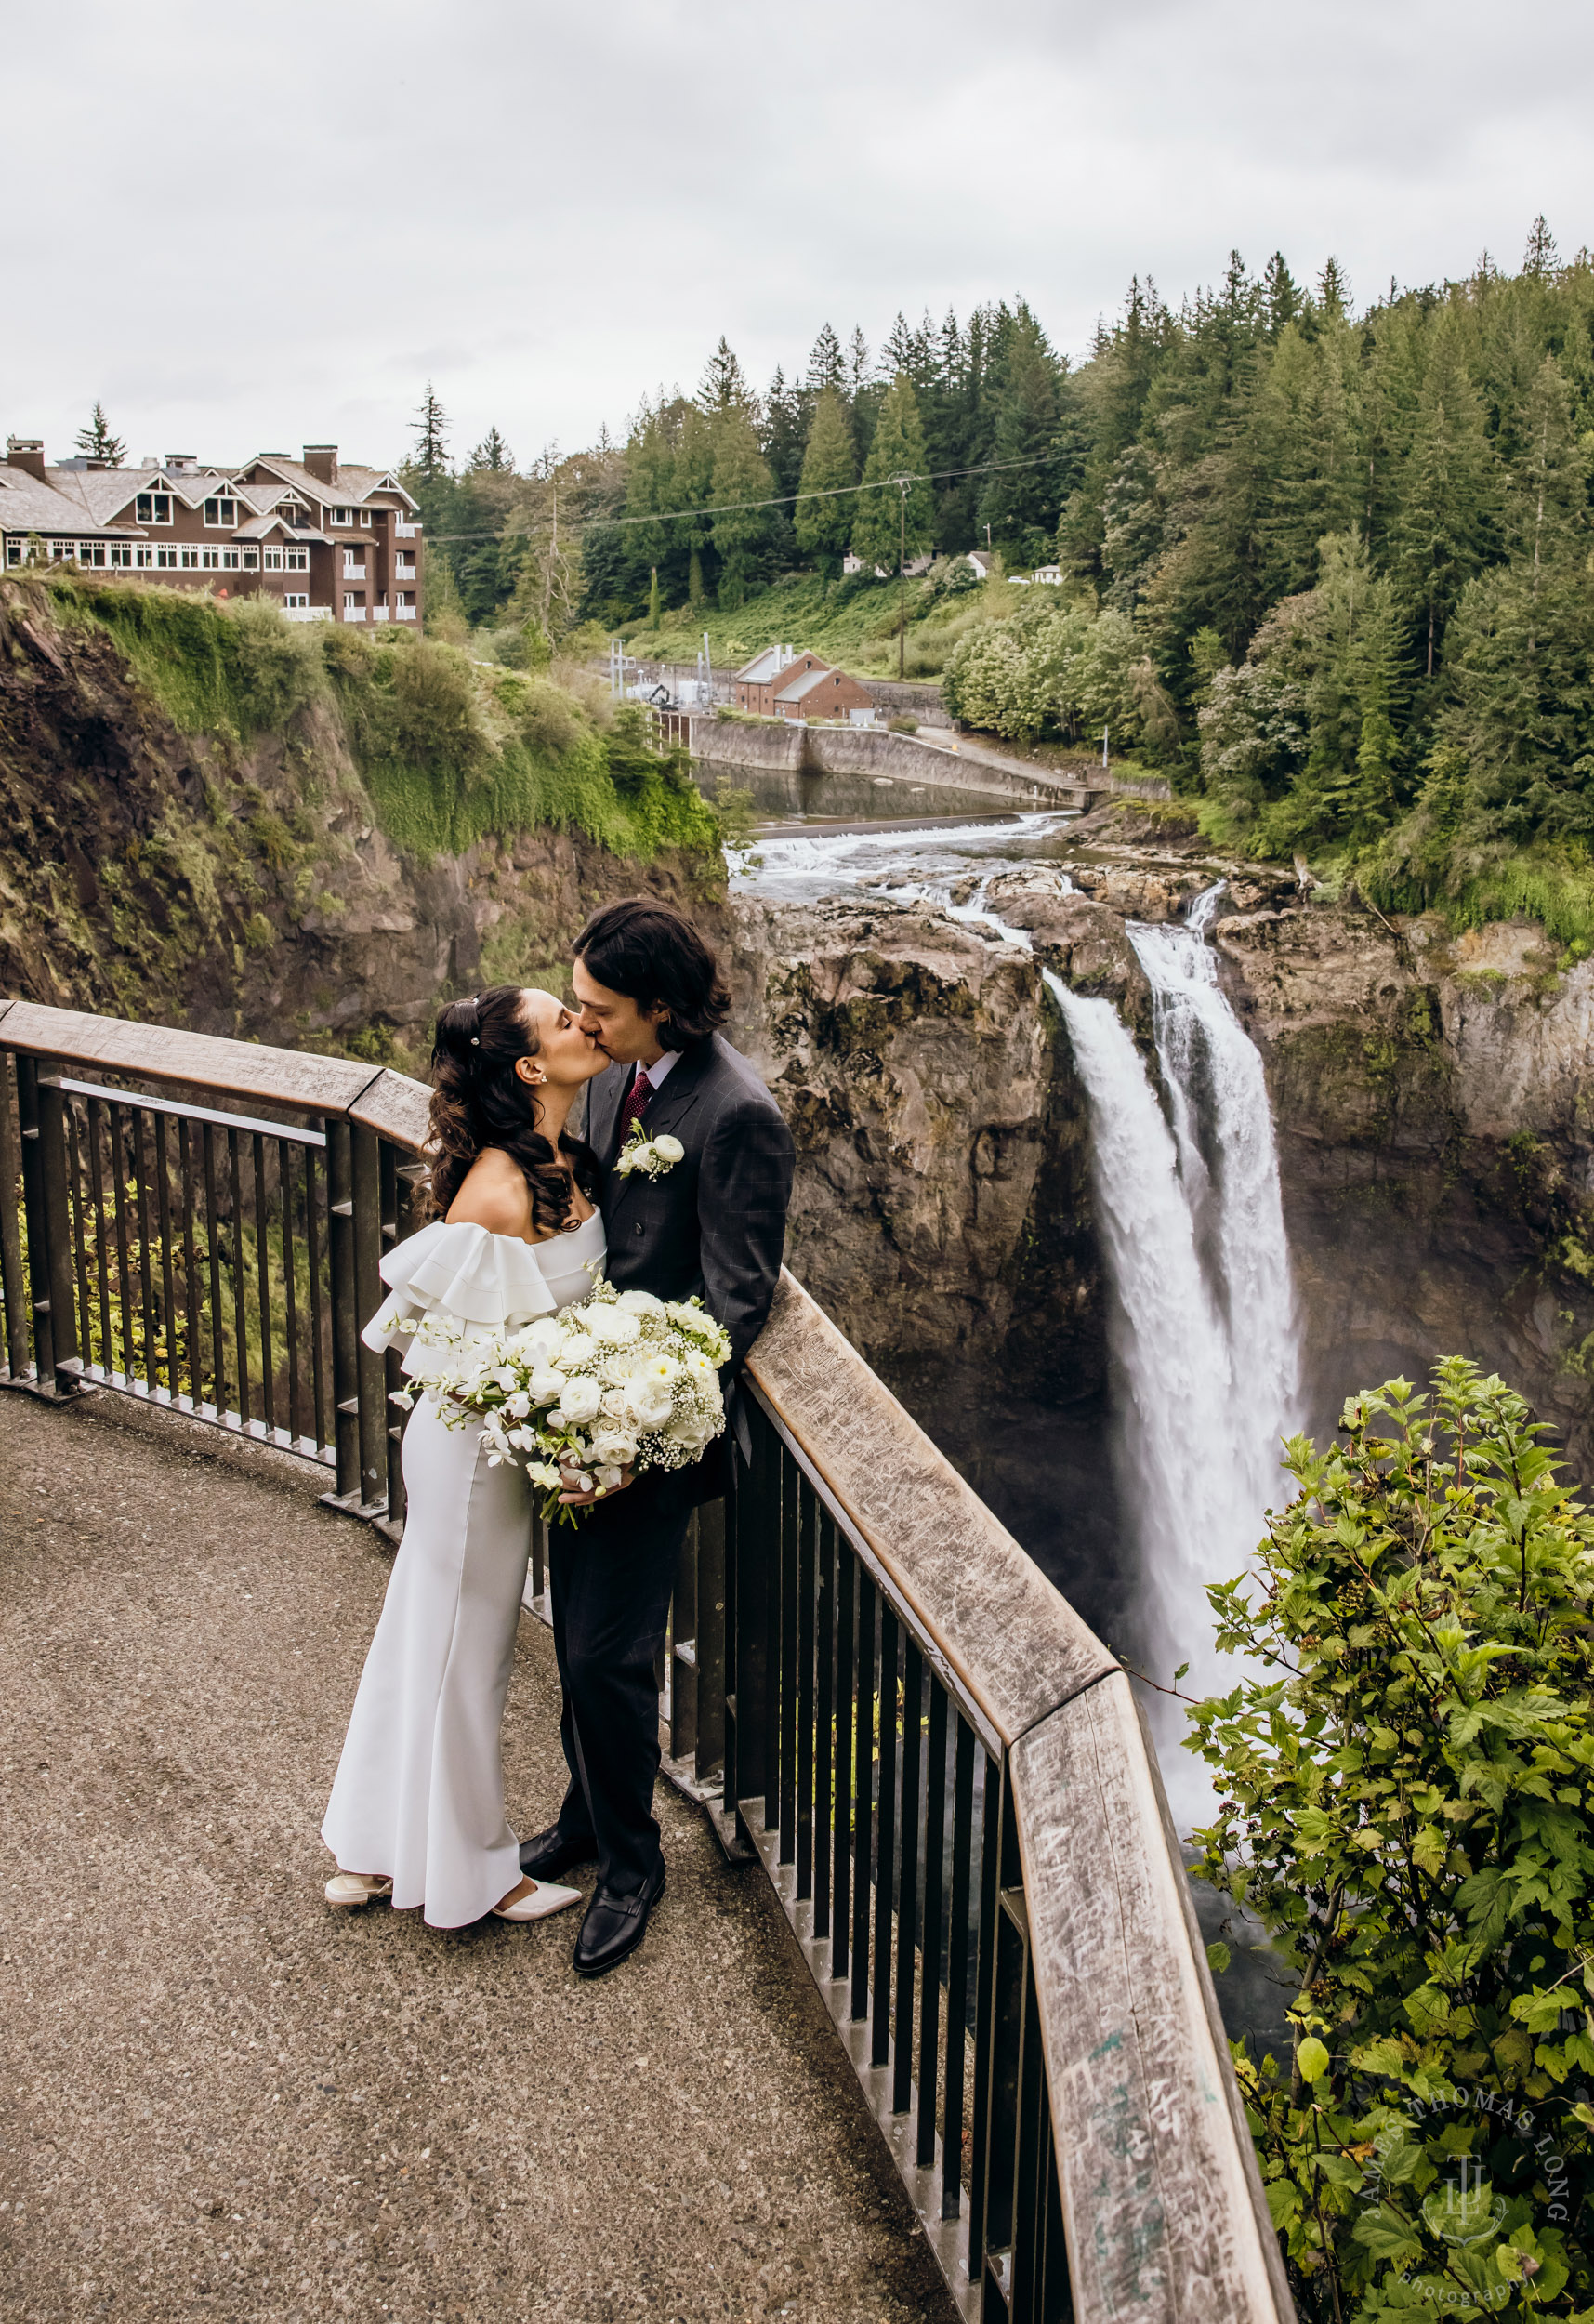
(656, 1158)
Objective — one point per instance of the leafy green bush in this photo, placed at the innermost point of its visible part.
(902, 726)
(278, 667)
(1409, 1806)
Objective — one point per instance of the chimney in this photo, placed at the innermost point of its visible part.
(27, 454)
(179, 463)
(322, 461)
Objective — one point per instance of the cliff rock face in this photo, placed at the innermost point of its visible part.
(248, 887)
(1434, 1102)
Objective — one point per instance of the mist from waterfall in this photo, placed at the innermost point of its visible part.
(1203, 1325)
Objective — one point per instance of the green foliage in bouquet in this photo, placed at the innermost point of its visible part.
(1408, 1804)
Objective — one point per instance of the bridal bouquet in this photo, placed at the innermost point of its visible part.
(621, 1380)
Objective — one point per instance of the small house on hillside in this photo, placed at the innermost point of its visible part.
(985, 563)
(1050, 574)
(824, 694)
(851, 565)
(759, 681)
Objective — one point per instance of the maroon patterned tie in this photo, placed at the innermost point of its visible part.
(636, 1103)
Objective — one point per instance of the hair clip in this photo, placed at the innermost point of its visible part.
(475, 1040)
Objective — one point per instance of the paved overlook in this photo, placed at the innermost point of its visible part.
(223, 2100)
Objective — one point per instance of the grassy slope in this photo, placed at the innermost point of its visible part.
(854, 628)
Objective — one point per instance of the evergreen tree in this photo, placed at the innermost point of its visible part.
(724, 386)
(824, 527)
(431, 437)
(492, 455)
(827, 365)
(1020, 499)
(693, 489)
(1280, 296)
(786, 413)
(859, 370)
(743, 532)
(1441, 529)
(97, 441)
(879, 534)
(1541, 256)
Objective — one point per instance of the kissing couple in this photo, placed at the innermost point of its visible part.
(526, 1214)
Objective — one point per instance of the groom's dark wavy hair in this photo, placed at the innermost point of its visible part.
(478, 1101)
(652, 953)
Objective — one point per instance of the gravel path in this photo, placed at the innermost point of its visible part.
(223, 2100)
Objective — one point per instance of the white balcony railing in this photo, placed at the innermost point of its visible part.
(352, 571)
(407, 532)
(378, 613)
(404, 613)
(307, 613)
(403, 568)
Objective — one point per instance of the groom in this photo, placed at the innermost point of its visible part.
(653, 1000)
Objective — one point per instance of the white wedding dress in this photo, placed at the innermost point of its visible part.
(419, 1793)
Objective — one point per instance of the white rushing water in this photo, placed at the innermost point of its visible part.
(803, 865)
(1203, 1328)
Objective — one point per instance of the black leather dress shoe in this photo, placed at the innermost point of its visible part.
(547, 1854)
(614, 1926)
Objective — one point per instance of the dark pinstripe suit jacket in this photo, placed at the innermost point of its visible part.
(716, 1224)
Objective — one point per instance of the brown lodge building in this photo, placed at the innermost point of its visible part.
(327, 541)
(779, 683)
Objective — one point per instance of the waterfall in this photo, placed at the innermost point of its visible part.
(1202, 1327)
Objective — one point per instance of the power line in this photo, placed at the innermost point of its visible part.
(779, 500)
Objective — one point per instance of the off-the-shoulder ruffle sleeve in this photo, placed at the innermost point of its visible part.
(464, 1277)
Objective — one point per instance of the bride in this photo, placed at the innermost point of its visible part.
(416, 1811)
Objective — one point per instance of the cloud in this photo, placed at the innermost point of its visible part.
(265, 226)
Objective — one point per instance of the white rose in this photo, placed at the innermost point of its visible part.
(614, 1330)
(547, 1386)
(668, 1150)
(577, 1351)
(647, 1407)
(579, 1402)
(640, 1303)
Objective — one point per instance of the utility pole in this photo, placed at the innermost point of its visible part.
(902, 484)
(1104, 750)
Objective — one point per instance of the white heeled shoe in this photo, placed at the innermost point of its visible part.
(546, 1897)
(356, 1888)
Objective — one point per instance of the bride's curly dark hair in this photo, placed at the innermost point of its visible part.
(479, 1101)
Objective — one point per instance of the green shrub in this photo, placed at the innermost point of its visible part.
(902, 726)
(278, 666)
(1409, 1807)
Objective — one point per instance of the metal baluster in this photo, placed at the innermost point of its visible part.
(263, 1281)
(168, 1263)
(908, 1877)
(774, 1548)
(863, 1700)
(958, 1972)
(18, 1357)
(987, 1966)
(750, 1560)
(98, 1130)
(194, 1290)
(823, 1767)
(123, 1303)
(240, 1278)
(711, 1611)
(683, 1647)
(146, 1266)
(323, 1428)
(885, 1842)
(846, 1716)
(370, 1376)
(345, 1298)
(806, 1512)
(792, 1482)
(1029, 2211)
(397, 1198)
(80, 1237)
(213, 1254)
(934, 1856)
(286, 1152)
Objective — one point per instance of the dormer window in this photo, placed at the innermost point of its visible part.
(152, 508)
(222, 513)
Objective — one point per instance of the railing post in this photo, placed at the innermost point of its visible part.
(345, 1317)
(12, 1281)
(371, 1371)
(42, 1110)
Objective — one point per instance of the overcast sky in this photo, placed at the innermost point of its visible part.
(246, 228)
